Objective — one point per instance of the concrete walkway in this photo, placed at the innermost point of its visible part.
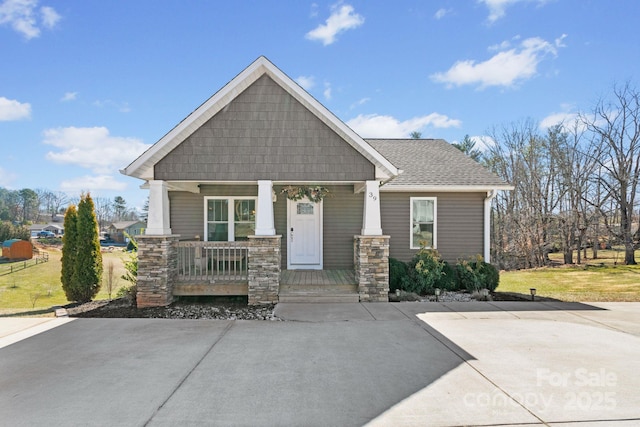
(397, 364)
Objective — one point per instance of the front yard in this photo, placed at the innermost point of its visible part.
(39, 287)
(594, 280)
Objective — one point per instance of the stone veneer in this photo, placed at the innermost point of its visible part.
(371, 259)
(157, 270)
(264, 269)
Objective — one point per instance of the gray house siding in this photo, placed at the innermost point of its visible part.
(460, 223)
(264, 133)
(342, 218)
(187, 209)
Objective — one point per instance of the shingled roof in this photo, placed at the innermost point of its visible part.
(434, 164)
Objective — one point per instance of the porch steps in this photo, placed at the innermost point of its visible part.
(319, 293)
(322, 286)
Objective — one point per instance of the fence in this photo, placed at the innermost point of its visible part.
(213, 262)
(15, 266)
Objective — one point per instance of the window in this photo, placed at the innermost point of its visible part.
(229, 219)
(423, 222)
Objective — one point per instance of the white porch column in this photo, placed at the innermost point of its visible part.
(371, 225)
(264, 220)
(487, 225)
(158, 218)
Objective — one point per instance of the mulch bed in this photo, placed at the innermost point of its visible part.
(218, 308)
(201, 308)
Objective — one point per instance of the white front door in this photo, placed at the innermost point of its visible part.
(304, 237)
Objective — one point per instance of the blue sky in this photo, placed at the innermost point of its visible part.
(86, 86)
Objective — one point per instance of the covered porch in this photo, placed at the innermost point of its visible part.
(221, 269)
(257, 265)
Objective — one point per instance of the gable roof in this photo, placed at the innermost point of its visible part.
(143, 166)
(434, 165)
(122, 225)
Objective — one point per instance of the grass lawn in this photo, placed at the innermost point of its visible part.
(594, 280)
(38, 287)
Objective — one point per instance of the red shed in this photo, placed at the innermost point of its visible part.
(17, 249)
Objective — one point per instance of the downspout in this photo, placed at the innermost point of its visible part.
(487, 224)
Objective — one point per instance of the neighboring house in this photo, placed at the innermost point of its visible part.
(56, 229)
(228, 215)
(118, 231)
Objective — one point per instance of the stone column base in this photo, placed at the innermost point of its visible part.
(371, 259)
(157, 270)
(264, 269)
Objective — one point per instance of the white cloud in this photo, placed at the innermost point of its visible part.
(69, 96)
(92, 148)
(359, 102)
(24, 17)
(441, 13)
(92, 183)
(483, 142)
(10, 110)
(506, 68)
(558, 118)
(342, 18)
(327, 91)
(6, 178)
(377, 126)
(307, 82)
(49, 16)
(498, 8)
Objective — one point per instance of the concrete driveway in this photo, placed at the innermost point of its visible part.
(412, 364)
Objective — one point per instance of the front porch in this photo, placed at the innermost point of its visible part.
(169, 267)
(221, 269)
(253, 264)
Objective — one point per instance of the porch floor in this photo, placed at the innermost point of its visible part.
(318, 286)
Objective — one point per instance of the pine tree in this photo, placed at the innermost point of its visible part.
(88, 266)
(69, 240)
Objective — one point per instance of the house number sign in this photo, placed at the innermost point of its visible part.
(372, 196)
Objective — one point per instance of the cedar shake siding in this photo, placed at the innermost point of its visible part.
(342, 215)
(460, 224)
(264, 133)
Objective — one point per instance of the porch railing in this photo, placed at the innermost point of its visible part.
(213, 262)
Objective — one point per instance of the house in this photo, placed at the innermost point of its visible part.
(56, 229)
(262, 189)
(118, 231)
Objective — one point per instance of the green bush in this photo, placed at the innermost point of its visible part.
(398, 274)
(448, 280)
(129, 292)
(425, 272)
(475, 274)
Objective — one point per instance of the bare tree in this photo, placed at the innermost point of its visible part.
(104, 211)
(615, 125)
(522, 218)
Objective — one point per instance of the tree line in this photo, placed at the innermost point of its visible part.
(28, 206)
(575, 184)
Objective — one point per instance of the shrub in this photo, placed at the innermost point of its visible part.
(128, 292)
(81, 274)
(448, 281)
(425, 270)
(475, 274)
(398, 274)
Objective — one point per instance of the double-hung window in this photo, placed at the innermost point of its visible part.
(423, 222)
(229, 219)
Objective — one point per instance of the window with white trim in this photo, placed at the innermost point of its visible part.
(229, 219)
(423, 222)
